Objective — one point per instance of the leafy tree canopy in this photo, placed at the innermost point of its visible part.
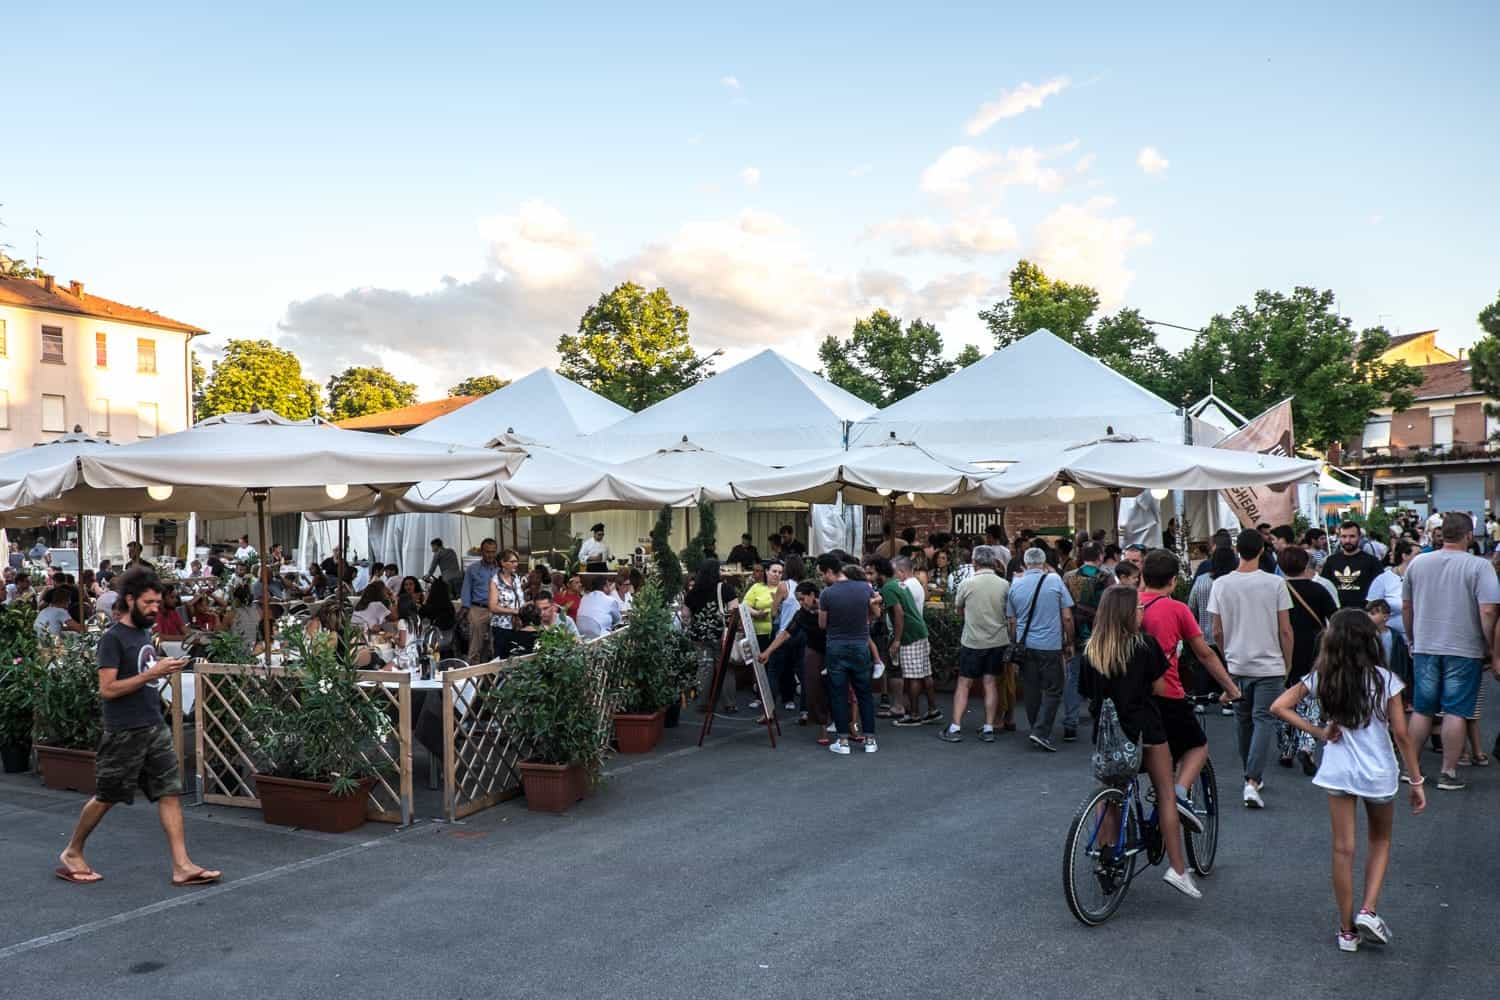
(478, 385)
(258, 373)
(967, 356)
(632, 347)
(1484, 359)
(882, 362)
(1297, 345)
(359, 390)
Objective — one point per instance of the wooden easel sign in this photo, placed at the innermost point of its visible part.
(740, 634)
(751, 651)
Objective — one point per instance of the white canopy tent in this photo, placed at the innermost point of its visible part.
(765, 409)
(1023, 401)
(686, 462)
(898, 471)
(542, 407)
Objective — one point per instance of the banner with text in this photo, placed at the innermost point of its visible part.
(1269, 434)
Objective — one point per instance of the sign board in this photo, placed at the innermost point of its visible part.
(973, 520)
(751, 650)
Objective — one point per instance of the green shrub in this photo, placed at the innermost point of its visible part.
(67, 696)
(547, 702)
(652, 661)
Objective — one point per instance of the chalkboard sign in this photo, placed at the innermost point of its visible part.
(751, 650)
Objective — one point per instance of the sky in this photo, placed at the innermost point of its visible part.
(444, 188)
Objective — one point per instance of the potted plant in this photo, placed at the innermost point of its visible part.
(310, 738)
(18, 682)
(225, 646)
(67, 718)
(547, 706)
(647, 670)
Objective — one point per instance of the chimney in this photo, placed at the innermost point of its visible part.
(49, 283)
(76, 287)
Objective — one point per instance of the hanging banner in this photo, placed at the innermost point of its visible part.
(1268, 434)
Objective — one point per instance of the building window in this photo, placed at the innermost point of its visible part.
(54, 414)
(4, 403)
(1442, 430)
(145, 420)
(145, 356)
(101, 412)
(1378, 433)
(2, 338)
(101, 351)
(52, 345)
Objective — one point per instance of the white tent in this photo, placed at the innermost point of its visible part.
(542, 406)
(1021, 402)
(686, 462)
(765, 409)
(869, 475)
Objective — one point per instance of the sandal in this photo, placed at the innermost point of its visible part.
(1482, 760)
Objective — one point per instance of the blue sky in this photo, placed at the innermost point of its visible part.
(444, 188)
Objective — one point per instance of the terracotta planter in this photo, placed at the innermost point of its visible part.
(16, 757)
(311, 805)
(553, 787)
(639, 733)
(69, 770)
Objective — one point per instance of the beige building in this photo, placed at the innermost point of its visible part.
(69, 359)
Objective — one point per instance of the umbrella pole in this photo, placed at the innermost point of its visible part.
(1114, 511)
(515, 532)
(265, 574)
(891, 532)
(82, 562)
(338, 587)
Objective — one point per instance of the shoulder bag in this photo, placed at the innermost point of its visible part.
(1016, 651)
(1116, 757)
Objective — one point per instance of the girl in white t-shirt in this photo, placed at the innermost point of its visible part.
(1361, 702)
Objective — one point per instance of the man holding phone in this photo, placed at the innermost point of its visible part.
(136, 749)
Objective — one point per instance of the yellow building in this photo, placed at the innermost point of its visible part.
(1417, 349)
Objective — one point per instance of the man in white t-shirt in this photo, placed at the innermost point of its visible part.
(902, 566)
(1252, 620)
(1452, 600)
(245, 551)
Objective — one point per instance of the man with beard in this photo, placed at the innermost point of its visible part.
(135, 750)
(1351, 568)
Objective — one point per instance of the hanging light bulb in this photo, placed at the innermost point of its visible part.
(911, 498)
(882, 491)
(159, 492)
(466, 510)
(1161, 494)
(551, 508)
(1066, 493)
(336, 491)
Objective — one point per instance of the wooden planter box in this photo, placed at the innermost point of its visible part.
(68, 770)
(553, 787)
(311, 805)
(639, 733)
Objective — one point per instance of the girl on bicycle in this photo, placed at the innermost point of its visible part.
(1361, 703)
(1122, 663)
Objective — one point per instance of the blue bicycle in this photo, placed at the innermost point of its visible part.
(1113, 830)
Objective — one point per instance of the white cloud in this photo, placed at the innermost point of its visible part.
(1084, 163)
(961, 168)
(751, 176)
(1010, 103)
(965, 239)
(1150, 160)
(729, 82)
(1084, 243)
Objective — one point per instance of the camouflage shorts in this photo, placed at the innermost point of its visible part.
(141, 758)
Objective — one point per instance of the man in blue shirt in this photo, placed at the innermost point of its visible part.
(475, 597)
(844, 615)
(1041, 619)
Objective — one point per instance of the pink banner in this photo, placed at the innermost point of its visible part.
(1269, 434)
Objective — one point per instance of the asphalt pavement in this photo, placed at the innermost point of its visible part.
(926, 869)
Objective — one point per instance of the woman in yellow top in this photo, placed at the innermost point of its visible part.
(760, 598)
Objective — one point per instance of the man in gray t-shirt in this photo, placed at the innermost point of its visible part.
(1451, 601)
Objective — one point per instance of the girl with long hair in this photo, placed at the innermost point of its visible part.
(1123, 663)
(1361, 704)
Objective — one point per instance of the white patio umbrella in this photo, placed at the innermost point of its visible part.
(686, 462)
(240, 461)
(896, 471)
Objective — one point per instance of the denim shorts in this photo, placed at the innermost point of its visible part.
(1445, 684)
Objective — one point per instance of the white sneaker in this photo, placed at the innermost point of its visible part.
(1372, 928)
(1252, 797)
(1182, 883)
(790, 706)
(1348, 942)
(839, 747)
(831, 728)
(870, 746)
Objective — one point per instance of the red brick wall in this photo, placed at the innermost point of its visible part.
(1468, 423)
(1412, 429)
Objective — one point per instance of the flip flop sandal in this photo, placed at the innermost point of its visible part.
(202, 877)
(77, 877)
(824, 741)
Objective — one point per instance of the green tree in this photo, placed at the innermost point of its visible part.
(1123, 341)
(704, 540)
(632, 347)
(258, 373)
(358, 390)
(199, 381)
(478, 385)
(12, 267)
(668, 567)
(1484, 359)
(967, 357)
(1297, 345)
(881, 362)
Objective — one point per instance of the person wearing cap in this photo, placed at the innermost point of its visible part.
(594, 554)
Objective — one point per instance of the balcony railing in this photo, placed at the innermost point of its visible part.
(1404, 455)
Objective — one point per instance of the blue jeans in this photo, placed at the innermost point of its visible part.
(783, 668)
(1446, 684)
(1072, 700)
(1257, 726)
(848, 663)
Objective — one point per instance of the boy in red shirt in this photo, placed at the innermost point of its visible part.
(1172, 625)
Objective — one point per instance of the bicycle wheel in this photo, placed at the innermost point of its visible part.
(1202, 847)
(1095, 874)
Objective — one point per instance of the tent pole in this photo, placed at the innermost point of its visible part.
(338, 587)
(265, 574)
(891, 532)
(1114, 511)
(82, 562)
(515, 532)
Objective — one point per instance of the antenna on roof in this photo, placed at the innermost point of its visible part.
(39, 257)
